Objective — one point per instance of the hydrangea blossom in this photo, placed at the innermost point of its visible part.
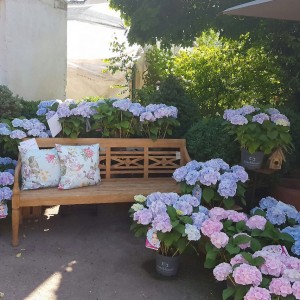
(280, 287)
(218, 213)
(272, 266)
(147, 116)
(291, 274)
(260, 118)
(162, 223)
(257, 293)
(5, 193)
(244, 245)
(17, 134)
(199, 218)
(219, 239)
(122, 104)
(192, 232)
(6, 178)
(143, 216)
(246, 274)
(180, 173)
(296, 289)
(256, 222)
(211, 226)
(208, 176)
(267, 202)
(222, 271)
(238, 259)
(276, 216)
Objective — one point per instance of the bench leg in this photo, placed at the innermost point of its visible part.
(15, 226)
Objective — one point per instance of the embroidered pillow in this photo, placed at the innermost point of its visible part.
(78, 166)
(40, 169)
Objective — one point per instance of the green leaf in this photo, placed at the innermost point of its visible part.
(172, 213)
(181, 244)
(180, 228)
(242, 239)
(227, 293)
(229, 203)
(232, 249)
(209, 263)
(240, 292)
(67, 130)
(186, 220)
(265, 282)
(208, 194)
(255, 245)
(258, 261)
(240, 226)
(247, 256)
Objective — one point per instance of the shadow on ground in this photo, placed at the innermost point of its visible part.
(84, 256)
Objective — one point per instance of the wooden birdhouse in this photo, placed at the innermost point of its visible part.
(276, 159)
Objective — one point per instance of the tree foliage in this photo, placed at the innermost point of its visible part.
(222, 73)
(176, 21)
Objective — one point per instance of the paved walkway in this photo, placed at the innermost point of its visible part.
(81, 256)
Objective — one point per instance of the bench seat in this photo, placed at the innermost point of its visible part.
(108, 191)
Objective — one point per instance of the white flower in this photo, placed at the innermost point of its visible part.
(137, 206)
(139, 198)
(192, 232)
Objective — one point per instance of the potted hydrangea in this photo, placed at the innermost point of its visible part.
(175, 220)
(216, 182)
(259, 131)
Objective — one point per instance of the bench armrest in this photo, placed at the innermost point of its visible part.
(186, 155)
(16, 188)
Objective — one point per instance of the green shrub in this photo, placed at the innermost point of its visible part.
(29, 109)
(171, 92)
(207, 139)
(10, 105)
(293, 158)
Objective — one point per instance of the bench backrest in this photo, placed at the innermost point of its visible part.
(131, 157)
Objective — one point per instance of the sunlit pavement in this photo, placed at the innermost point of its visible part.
(82, 256)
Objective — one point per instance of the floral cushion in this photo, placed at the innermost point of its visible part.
(40, 169)
(79, 165)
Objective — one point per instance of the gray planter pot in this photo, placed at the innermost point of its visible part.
(251, 161)
(167, 265)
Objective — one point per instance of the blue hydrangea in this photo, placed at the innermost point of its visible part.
(240, 173)
(227, 188)
(217, 164)
(267, 202)
(17, 134)
(272, 111)
(190, 199)
(199, 218)
(184, 207)
(191, 177)
(260, 118)
(122, 104)
(5, 193)
(50, 114)
(208, 176)
(192, 232)
(193, 165)
(152, 198)
(246, 110)
(203, 210)
(84, 109)
(292, 231)
(63, 110)
(5, 131)
(158, 207)
(147, 116)
(136, 109)
(296, 248)
(6, 178)
(5, 161)
(276, 216)
(289, 210)
(169, 198)
(180, 173)
(238, 120)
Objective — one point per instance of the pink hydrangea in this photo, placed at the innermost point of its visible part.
(257, 293)
(211, 226)
(218, 213)
(246, 274)
(222, 271)
(291, 262)
(256, 222)
(272, 266)
(291, 274)
(280, 287)
(238, 259)
(296, 289)
(245, 245)
(235, 216)
(219, 239)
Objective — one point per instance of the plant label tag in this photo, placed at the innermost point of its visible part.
(152, 242)
(178, 156)
(54, 125)
(30, 144)
(3, 210)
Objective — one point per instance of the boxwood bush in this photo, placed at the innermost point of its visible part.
(207, 139)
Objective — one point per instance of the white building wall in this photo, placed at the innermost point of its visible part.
(33, 48)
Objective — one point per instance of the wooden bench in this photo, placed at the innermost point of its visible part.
(127, 166)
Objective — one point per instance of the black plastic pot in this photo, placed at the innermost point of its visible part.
(251, 161)
(167, 265)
